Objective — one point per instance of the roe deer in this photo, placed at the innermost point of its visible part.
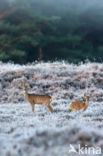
(37, 99)
(80, 105)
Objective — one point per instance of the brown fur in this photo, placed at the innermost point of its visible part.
(80, 105)
(37, 99)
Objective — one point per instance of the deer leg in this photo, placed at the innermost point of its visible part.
(32, 106)
(50, 108)
(85, 108)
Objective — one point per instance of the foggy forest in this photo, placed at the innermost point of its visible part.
(48, 30)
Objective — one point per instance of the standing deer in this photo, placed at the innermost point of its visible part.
(80, 105)
(37, 99)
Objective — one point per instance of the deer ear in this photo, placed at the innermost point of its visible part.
(85, 94)
(27, 85)
(22, 85)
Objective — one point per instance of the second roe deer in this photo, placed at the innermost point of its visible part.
(37, 99)
(80, 105)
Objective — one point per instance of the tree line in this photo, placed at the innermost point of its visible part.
(45, 30)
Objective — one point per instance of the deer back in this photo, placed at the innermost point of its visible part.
(77, 105)
(39, 99)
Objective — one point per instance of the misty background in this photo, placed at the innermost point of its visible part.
(51, 30)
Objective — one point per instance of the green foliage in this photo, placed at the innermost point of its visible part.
(4, 56)
(62, 30)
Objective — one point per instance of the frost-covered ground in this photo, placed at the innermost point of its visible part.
(23, 133)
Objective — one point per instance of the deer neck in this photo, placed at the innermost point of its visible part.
(87, 102)
(25, 92)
